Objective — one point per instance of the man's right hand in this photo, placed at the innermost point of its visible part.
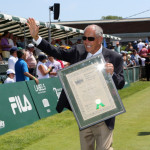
(34, 29)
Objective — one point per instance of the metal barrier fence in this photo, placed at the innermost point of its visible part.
(133, 73)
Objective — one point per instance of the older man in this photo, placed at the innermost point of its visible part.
(101, 133)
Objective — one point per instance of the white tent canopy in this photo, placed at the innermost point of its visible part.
(18, 27)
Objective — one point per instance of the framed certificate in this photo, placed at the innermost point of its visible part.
(91, 92)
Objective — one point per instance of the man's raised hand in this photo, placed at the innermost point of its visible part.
(34, 29)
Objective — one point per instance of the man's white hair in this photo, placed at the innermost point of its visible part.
(98, 29)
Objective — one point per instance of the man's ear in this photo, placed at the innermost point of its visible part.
(100, 40)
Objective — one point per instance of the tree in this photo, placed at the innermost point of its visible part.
(110, 17)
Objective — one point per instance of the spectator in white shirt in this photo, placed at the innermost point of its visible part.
(13, 58)
(30, 59)
(140, 45)
(11, 75)
(11, 40)
(55, 64)
(42, 70)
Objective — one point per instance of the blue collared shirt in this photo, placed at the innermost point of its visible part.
(20, 68)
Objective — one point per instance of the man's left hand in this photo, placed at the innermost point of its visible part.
(109, 68)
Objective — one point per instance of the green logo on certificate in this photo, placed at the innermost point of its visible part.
(99, 104)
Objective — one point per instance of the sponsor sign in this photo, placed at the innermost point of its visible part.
(45, 95)
(16, 107)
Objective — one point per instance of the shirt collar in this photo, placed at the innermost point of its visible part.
(98, 52)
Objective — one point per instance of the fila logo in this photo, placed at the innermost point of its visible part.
(17, 104)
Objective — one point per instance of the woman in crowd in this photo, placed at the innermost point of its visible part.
(42, 70)
(135, 57)
(129, 47)
(143, 52)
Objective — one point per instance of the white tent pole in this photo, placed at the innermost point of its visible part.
(25, 37)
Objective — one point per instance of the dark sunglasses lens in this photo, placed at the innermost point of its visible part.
(84, 38)
(91, 38)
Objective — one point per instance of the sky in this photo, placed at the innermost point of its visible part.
(75, 10)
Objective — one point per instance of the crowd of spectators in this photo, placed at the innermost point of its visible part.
(37, 65)
(135, 54)
(29, 63)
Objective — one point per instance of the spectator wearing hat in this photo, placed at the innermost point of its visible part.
(30, 59)
(13, 58)
(135, 45)
(130, 62)
(5, 45)
(42, 70)
(79, 41)
(135, 57)
(10, 76)
(21, 68)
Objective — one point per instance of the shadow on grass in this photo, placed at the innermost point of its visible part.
(143, 133)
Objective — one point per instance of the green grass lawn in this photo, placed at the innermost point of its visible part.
(60, 132)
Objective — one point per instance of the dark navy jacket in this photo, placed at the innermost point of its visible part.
(78, 53)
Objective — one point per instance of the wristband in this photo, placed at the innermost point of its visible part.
(33, 78)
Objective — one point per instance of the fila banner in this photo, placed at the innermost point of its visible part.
(16, 107)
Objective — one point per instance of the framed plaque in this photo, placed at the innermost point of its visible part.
(91, 91)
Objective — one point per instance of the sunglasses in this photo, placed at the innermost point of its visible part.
(89, 38)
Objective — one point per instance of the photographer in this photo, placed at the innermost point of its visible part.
(55, 64)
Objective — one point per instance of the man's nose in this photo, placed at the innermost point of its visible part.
(87, 41)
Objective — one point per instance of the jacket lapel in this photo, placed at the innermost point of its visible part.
(105, 53)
